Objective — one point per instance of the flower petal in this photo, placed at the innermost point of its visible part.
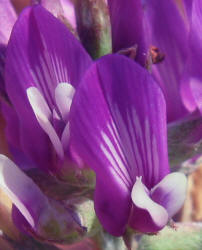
(7, 20)
(112, 203)
(61, 9)
(127, 26)
(41, 53)
(43, 114)
(171, 192)
(118, 128)
(23, 192)
(193, 81)
(147, 216)
(166, 30)
(64, 93)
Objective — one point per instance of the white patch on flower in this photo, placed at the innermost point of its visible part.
(139, 133)
(136, 153)
(22, 191)
(132, 148)
(141, 198)
(43, 114)
(125, 140)
(115, 136)
(64, 93)
(113, 157)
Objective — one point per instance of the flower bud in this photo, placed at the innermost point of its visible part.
(93, 26)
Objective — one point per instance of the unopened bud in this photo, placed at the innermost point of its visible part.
(93, 26)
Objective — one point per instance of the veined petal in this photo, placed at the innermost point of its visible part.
(23, 192)
(127, 26)
(45, 54)
(41, 53)
(170, 192)
(167, 30)
(118, 128)
(147, 216)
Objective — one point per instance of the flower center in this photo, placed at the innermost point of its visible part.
(64, 93)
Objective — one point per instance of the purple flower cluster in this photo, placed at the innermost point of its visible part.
(65, 111)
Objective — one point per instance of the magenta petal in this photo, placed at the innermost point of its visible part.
(167, 30)
(20, 222)
(112, 204)
(193, 84)
(7, 20)
(170, 192)
(186, 90)
(127, 26)
(118, 128)
(187, 4)
(61, 9)
(23, 192)
(147, 215)
(41, 53)
(12, 132)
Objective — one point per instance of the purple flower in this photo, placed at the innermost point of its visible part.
(175, 31)
(160, 28)
(35, 214)
(165, 35)
(167, 30)
(44, 65)
(127, 27)
(118, 128)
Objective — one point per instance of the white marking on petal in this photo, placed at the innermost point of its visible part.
(136, 152)
(148, 148)
(125, 140)
(111, 154)
(170, 192)
(140, 197)
(22, 191)
(64, 93)
(113, 131)
(43, 114)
